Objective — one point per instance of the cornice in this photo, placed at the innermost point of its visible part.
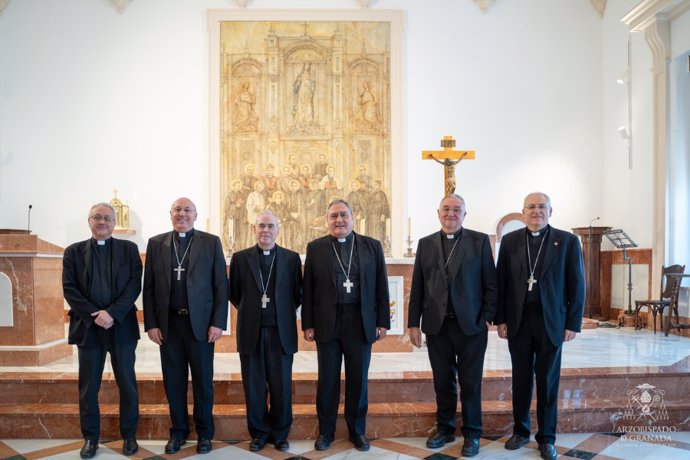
(644, 14)
(599, 6)
(3, 5)
(679, 10)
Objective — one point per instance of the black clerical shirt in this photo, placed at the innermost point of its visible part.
(268, 276)
(450, 248)
(533, 297)
(178, 289)
(341, 269)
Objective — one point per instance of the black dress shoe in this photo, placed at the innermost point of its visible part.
(323, 442)
(470, 447)
(257, 444)
(282, 444)
(516, 441)
(129, 446)
(548, 452)
(439, 439)
(174, 444)
(203, 446)
(361, 443)
(89, 448)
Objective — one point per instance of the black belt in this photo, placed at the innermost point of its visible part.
(183, 311)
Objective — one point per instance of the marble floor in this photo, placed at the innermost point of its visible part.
(623, 347)
(652, 446)
(594, 349)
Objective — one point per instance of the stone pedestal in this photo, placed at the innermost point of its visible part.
(32, 309)
(591, 247)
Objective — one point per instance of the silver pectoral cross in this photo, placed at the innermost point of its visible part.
(531, 281)
(264, 300)
(179, 271)
(348, 285)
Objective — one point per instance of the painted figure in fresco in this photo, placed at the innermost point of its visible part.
(235, 215)
(368, 116)
(304, 176)
(244, 118)
(270, 181)
(378, 212)
(321, 166)
(255, 204)
(248, 178)
(358, 201)
(304, 89)
(329, 183)
(364, 178)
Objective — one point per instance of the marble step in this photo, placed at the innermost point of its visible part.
(42, 420)
(407, 387)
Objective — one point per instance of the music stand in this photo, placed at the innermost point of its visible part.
(622, 241)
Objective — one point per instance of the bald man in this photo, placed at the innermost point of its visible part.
(185, 312)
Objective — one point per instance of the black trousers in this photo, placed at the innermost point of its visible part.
(180, 353)
(91, 363)
(351, 345)
(533, 355)
(268, 371)
(456, 357)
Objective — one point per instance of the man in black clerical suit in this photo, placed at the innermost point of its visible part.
(266, 289)
(101, 279)
(185, 312)
(345, 308)
(453, 296)
(541, 300)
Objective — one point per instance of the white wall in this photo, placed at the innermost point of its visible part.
(91, 100)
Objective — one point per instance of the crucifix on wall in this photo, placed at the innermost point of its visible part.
(448, 158)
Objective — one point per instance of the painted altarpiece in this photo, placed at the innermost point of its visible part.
(305, 115)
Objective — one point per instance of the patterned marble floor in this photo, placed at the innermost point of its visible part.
(581, 446)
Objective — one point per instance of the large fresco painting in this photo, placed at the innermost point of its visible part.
(304, 118)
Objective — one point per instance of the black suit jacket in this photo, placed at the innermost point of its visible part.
(319, 296)
(207, 284)
(245, 295)
(561, 283)
(125, 285)
(474, 290)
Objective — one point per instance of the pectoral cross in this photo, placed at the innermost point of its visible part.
(448, 158)
(531, 281)
(179, 271)
(347, 285)
(264, 300)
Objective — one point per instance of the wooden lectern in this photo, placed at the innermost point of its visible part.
(591, 248)
(32, 308)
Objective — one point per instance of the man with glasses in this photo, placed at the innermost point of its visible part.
(185, 313)
(101, 279)
(453, 297)
(345, 309)
(541, 300)
(266, 289)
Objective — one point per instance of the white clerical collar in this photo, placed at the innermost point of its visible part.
(267, 253)
(342, 240)
(182, 234)
(100, 242)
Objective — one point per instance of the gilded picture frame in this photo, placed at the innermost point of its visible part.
(305, 107)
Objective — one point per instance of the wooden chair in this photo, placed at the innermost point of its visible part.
(658, 306)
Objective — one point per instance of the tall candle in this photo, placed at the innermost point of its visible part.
(409, 227)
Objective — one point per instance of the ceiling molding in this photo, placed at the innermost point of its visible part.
(643, 15)
(599, 6)
(120, 5)
(679, 10)
(484, 5)
(3, 5)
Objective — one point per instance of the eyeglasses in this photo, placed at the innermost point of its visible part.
(540, 207)
(106, 219)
